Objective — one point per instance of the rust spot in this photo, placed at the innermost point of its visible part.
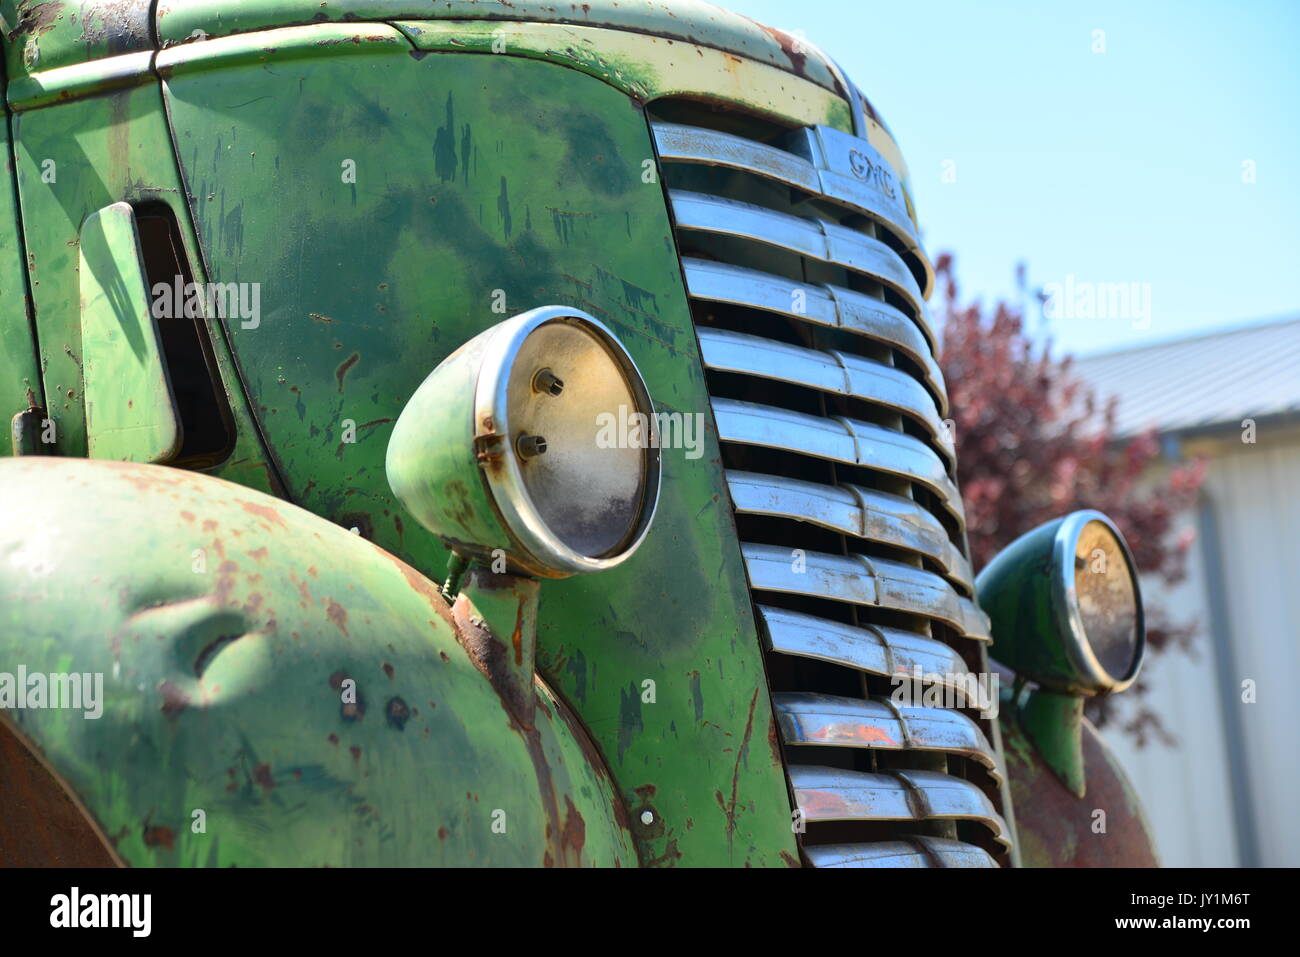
(397, 713)
(729, 807)
(333, 739)
(265, 512)
(574, 833)
(790, 47)
(344, 366)
(159, 836)
(774, 745)
(668, 858)
(36, 19)
(388, 670)
(175, 700)
(262, 775)
(353, 711)
(516, 639)
(338, 615)
(356, 753)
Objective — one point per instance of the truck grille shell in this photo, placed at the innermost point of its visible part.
(808, 288)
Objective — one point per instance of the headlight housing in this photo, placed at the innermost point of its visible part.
(504, 449)
(1066, 607)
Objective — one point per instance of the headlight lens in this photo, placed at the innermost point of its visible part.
(1106, 594)
(589, 493)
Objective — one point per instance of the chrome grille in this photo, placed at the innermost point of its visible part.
(808, 287)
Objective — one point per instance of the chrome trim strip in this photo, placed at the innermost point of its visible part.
(832, 794)
(830, 164)
(828, 371)
(862, 580)
(697, 144)
(852, 510)
(916, 850)
(827, 305)
(874, 649)
(878, 723)
(848, 441)
(810, 238)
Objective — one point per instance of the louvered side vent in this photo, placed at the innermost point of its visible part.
(807, 287)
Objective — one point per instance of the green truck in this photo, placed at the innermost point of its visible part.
(463, 433)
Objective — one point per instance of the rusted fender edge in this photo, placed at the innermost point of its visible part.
(1106, 827)
(240, 682)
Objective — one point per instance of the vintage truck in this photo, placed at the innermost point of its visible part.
(475, 433)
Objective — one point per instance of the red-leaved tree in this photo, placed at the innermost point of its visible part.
(1034, 443)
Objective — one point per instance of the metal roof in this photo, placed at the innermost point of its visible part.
(1201, 382)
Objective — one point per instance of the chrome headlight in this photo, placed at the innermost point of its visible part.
(1065, 606)
(506, 451)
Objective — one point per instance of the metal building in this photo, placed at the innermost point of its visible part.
(1223, 796)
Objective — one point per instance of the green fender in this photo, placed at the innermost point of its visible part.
(228, 627)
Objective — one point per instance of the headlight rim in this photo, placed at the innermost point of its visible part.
(1069, 614)
(508, 492)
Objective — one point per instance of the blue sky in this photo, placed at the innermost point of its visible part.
(1118, 167)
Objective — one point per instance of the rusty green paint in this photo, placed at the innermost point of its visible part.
(476, 174)
(225, 646)
(1054, 723)
(689, 22)
(1015, 590)
(496, 615)
(105, 149)
(80, 80)
(131, 412)
(1055, 827)
(430, 461)
(643, 66)
(20, 381)
(51, 34)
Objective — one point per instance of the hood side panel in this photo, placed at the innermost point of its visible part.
(391, 207)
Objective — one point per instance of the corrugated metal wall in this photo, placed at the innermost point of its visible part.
(1225, 794)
